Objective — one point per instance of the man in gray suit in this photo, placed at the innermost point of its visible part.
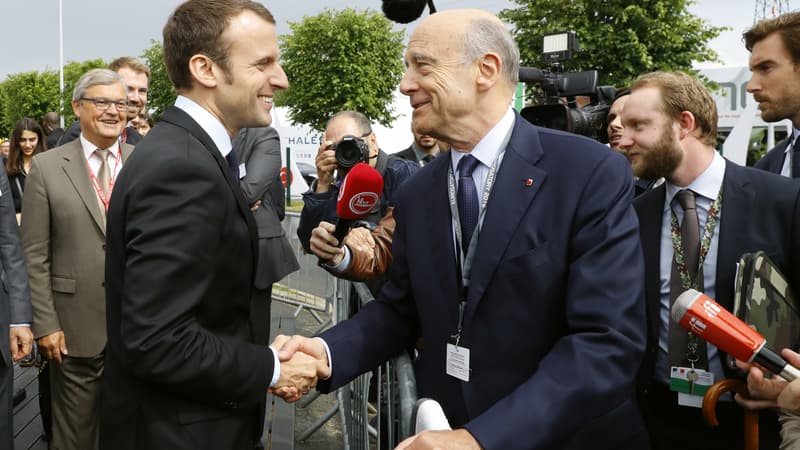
(63, 234)
(15, 309)
(259, 152)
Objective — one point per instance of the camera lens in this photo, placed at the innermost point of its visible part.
(350, 151)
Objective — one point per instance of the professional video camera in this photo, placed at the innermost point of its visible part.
(556, 86)
(350, 150)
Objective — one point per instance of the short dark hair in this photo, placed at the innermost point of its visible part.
(786, 25)
(196, 27)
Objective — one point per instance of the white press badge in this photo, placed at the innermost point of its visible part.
(458, 362)
(242, 171)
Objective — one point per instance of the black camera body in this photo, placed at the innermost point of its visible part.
(350, 150)
(551, 111)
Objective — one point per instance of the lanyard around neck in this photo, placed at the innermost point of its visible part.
(705, 243)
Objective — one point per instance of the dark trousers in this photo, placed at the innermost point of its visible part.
(675, 427)
(45, 405)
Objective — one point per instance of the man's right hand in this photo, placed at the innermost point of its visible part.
(324, 244)
(53, 346)
(326, 164)
(303, 361)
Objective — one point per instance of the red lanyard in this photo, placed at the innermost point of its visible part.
(111, 177)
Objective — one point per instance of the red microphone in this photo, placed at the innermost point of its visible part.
(359, 193)
(711, 322)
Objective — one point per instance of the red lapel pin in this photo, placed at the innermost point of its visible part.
(529, 182)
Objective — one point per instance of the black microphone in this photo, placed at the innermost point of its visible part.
(403, 11)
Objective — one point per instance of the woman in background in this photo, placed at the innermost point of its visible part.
(27, 140)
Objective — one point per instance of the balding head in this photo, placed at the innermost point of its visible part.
(463, 67)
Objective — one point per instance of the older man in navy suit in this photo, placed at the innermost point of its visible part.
(533, 327)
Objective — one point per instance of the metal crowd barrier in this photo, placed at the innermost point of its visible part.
(378, 421)
(310, 288)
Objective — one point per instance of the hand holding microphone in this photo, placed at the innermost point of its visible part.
(705, 318)
(359, 194)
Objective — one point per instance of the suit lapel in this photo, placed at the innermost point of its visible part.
(77, 172)
(440, 223)
(509, 202)
(178, 117)
(126, 151)
(737, 203)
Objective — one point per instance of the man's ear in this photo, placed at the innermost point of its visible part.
(687, 123)
(203, 70)
(490, 68)
(76, 108)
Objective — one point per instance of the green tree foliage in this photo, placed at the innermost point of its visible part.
(619, 38)
(341, 60)
(161, 93)
(28, 94)
(32, 94)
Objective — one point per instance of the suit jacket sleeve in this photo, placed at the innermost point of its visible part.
(35, 230)
(15, 277)
(263, 162)
(173, 276)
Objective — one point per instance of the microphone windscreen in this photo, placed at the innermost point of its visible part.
(711, 322)
(403, 11)
(359, 193)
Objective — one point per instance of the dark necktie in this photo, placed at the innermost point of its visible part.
(796, 159)
(690, 243)
(233, 163)
(467, 199)
(427, 158)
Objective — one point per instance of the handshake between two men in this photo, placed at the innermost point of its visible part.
(303, 362)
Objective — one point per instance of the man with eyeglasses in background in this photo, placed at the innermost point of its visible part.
(63, 234)
(136, 76)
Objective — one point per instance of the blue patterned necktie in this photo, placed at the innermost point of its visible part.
(467, 198)
(233, 163)
(796, 159)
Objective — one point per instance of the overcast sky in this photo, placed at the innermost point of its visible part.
(107, 29)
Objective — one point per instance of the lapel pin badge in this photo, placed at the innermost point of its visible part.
(529, 182)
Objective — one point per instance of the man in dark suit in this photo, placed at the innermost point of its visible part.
(774, 46)
(50, 124)
(724, 210)
(185, 370)
(259, 150)
(15, 310)
(537, 345)
(422, 150)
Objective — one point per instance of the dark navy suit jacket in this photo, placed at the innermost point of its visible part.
(555, 314)
(772, 161)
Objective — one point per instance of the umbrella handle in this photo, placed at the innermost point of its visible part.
(750, 417)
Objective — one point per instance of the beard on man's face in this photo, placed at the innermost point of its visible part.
(661, 159)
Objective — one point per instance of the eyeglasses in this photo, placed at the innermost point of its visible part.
(102, 104)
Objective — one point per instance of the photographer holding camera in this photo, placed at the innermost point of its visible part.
(348, 140)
